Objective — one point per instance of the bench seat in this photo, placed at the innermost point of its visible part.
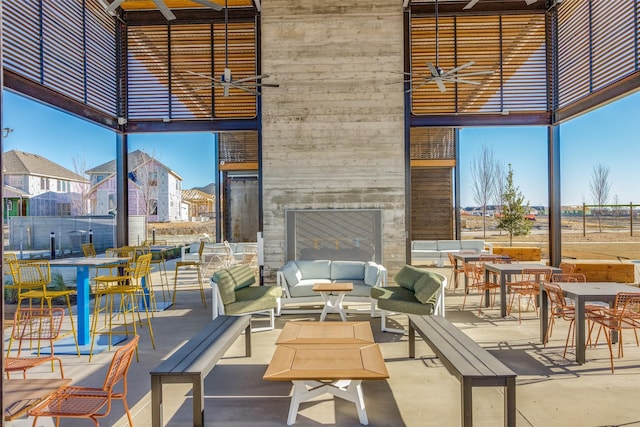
(467, 361)
(192, 362)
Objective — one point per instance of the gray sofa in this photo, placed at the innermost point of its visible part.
(438, 250)
(296, 278)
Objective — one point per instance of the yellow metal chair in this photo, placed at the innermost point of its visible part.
(128, 287)
(197, 264)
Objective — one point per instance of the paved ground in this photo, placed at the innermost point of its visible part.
(551, 391)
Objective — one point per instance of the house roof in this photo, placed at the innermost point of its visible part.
(135, 159)
(195, 195)
(16, 162)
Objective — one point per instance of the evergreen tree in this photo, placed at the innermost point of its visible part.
(513, 219)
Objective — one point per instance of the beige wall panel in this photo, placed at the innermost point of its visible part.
(333, 132)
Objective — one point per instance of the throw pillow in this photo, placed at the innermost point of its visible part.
(426, 288)
(242, 275)
(408, 276)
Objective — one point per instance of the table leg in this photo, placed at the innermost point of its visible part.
(544, 314)
(350, 390)
(82, 305)
(503, 295)
(333, 304)
(579, 331)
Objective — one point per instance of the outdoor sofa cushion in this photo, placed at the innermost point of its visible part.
(408, 276)
(232, 279)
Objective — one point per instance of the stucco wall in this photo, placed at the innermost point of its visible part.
(333, 132)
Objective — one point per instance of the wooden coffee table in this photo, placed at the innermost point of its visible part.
(333, 295)
(326, 333)
(334, 368)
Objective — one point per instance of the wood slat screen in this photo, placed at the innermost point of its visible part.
(597, 45)
(67, 46)
(431, 203)
(430, 143)
(162, 62)
(512, 46)
(239, 147)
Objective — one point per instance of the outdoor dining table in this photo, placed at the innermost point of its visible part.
(504, 271)
(580, 293)
(82, 266)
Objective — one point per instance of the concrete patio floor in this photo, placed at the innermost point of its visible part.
(551, 391)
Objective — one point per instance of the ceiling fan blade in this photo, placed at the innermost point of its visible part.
(434, 71)
(530, 2)
(199, 74)
(440, 84)
(225, 88)
(474, 73)
(246, 89)
(457, 80)
(471, 4)
(266, 84)
(164, 10)
(114, 5)
(461, 67)
(209, 4)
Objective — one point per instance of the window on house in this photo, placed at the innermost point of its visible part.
(44, 183)
(153, 179)
(99, 178)
(9, 205)
(153, 207)
(64, 209)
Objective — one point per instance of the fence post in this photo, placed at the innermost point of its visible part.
(631, 218)
(584, 220)
(153, 235)
(53, 245)
(90, 236)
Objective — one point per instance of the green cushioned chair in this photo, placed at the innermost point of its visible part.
(235, 293)
(419, 292)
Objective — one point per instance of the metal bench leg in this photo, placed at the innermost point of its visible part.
(467, 402)
(198, 401)
(510, 403)
(412, 341)
(156, 401)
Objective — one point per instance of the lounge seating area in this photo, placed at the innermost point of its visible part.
(549, 387)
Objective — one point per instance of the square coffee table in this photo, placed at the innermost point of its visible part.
(333, 295)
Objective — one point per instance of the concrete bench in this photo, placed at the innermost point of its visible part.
(467, 361)
(192, 362)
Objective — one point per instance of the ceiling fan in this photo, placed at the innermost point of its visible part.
(248, 84)
(440, 76)
(473, 3)
(162, 7)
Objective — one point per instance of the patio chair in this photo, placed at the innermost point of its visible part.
(625, 314)
(475, 278)
(40, 325)
(194, 261)
(91, 402)
(31, 279)
(128, 287)
(567, 268)
(455, 271)
(527, 284)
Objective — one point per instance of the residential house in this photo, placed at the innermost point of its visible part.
(200, 203)
(154, 189)
(36, 186)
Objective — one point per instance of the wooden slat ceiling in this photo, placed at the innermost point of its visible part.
(180, 4)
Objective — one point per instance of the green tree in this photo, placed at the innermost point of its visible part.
(513, 219)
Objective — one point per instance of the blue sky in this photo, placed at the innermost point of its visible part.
(60, 137)
(609, 135)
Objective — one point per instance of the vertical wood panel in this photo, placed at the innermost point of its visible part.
(431, 204)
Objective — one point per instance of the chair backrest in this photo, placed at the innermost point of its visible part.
(142, 266)
(568, 277)
(629, 302)
(89, 250)
(567, 268)
(536, 274)
(37, 324)
(120, 366)
(555, 294)
(32, 275)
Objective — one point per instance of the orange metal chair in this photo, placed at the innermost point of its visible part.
(90, 402)
(567, 268)
(527, 284)
(560, 309)
(624, 315)
(41, 325)
(456, 270)
(568, 277)
(475, 278)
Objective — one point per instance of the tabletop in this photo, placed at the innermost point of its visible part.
(86, 261)
(326, 332)
(595, 290)
(327, 362)
(20, 395)
(332, 287)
